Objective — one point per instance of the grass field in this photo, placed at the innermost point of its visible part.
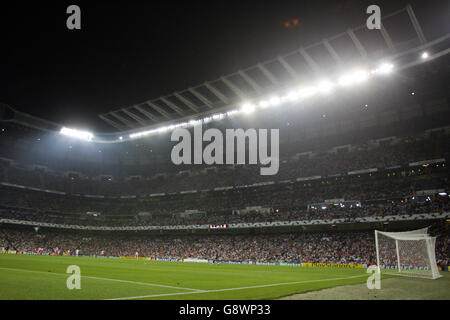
(44, 277)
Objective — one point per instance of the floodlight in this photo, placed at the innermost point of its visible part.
(264, 104)
(248, 108)
(232, 112)
(292, 96)
(207, 119)
(218, 116)
(424, 55)
(360, 75)
(307, 92)
(325, 86)
(275, 101)
(84, 135)
(195, 122)
(354, 77)
(345, 80)
(136, 135)
(385, 68)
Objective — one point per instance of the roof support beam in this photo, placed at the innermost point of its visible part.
(202, 98)
(268, 74)
(135, 117)
(416, 24)
(146, 113)
(357, 43)
(288, 67)
(235, 89)
(192, 106)
(314, 67)
(386, 37)
(332, 52)
(250, 81)
(173, 106)
(159, 110)
(218, 94)
(122, 119)
(111, 122)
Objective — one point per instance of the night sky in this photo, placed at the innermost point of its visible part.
(129, 52)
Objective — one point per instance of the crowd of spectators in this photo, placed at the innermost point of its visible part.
(290, 196)
(316, 164)
(316, 247)
(228, 208)
(251, 216)
(380, 194)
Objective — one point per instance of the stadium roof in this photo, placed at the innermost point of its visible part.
(352, 47)
(215, 99)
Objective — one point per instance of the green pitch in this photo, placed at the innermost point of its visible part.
(44, 277)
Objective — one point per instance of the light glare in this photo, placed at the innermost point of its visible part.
(325, 86)
(264, 104)
(385, 68)
(84, 135)
(307, 92)
(355, 77)
(292, 96)
(248, 108)
(275, 101)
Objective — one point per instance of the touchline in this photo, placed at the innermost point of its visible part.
(213, 153)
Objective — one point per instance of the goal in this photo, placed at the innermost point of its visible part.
(410, 253)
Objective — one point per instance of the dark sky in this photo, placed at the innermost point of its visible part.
(129, 52)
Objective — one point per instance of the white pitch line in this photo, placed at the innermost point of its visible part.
(107, 279)
(233, 289)
(406, 275)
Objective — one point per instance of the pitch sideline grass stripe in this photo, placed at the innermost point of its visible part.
(233, 289)
(107, 279)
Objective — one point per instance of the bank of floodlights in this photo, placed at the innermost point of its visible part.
(354, 77)
(78, 134)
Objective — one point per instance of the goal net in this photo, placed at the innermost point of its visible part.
(410, 253)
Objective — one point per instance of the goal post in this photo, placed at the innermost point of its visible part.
(409, 253)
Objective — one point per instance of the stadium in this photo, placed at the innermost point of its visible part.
(359, 137)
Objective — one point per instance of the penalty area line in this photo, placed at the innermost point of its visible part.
(234, 289)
